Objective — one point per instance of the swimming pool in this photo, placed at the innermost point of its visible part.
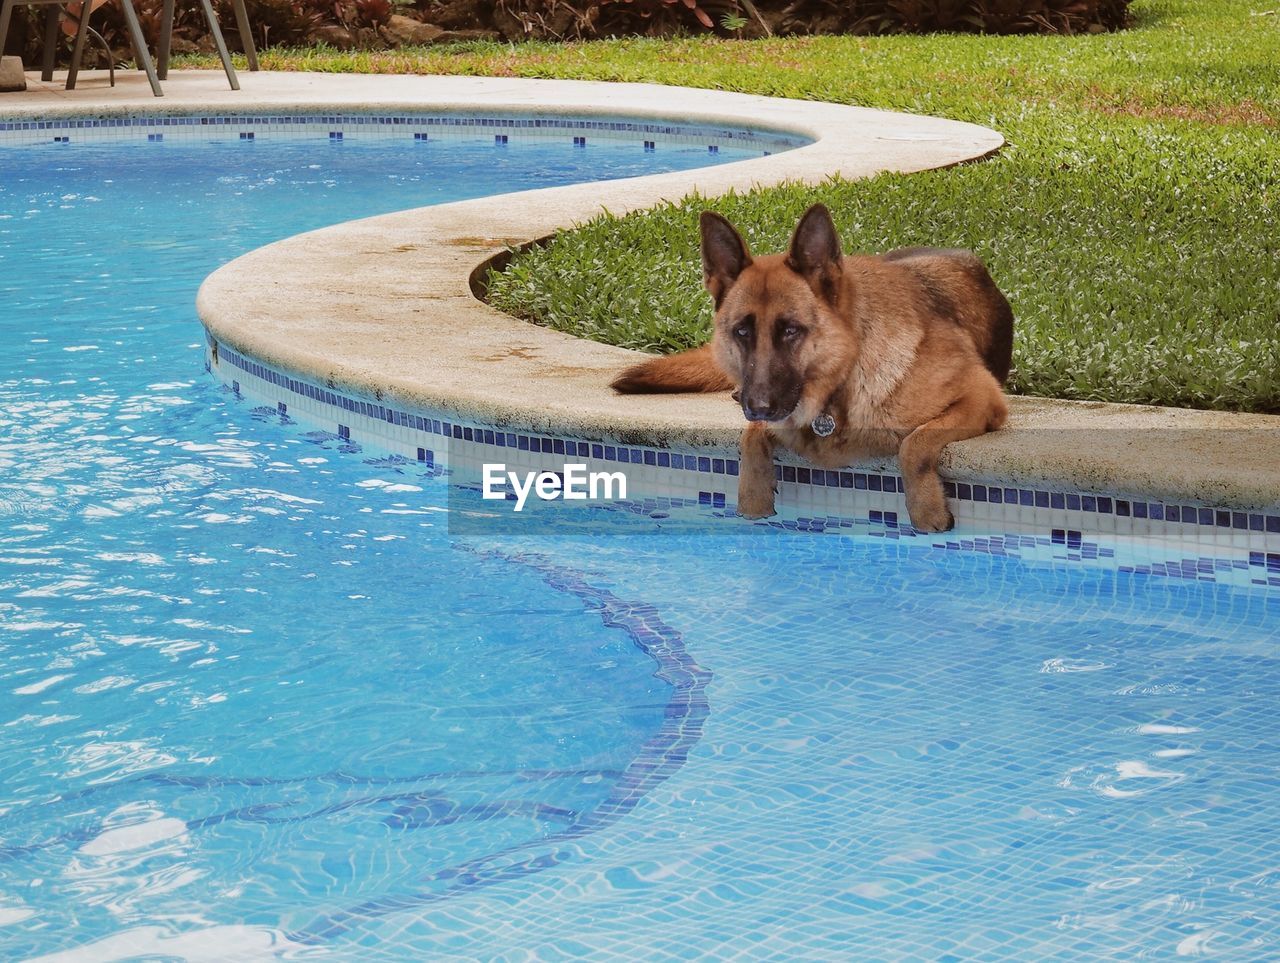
(261, 697)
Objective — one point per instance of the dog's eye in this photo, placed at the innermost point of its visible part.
(742, 330)
(792, 331)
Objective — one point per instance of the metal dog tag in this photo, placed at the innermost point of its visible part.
(823, 425)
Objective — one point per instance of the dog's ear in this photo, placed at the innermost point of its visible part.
(724, 254)
(815, 252)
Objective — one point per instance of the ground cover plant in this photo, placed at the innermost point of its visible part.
(1132, 217)
(379, 24)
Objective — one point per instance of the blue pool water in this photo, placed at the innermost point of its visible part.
(256, 701)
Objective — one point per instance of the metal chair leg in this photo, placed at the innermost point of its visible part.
(140, 45)
(246, 34)
(221, 44)
(101, 41)
(50, 43)
(77, 52)
(166, 40)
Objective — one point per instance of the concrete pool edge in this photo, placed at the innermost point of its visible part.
(492, 367)
(383, 307)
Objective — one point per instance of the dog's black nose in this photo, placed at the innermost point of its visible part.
(759, 414)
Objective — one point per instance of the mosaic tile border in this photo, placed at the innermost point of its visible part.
(414, 126)
(1188, 541)
(662, 755)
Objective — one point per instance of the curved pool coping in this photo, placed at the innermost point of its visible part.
(384, 307)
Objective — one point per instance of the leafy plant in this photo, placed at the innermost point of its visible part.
(279, 22)
(363, 13)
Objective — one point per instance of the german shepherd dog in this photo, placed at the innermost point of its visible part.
(838, 358)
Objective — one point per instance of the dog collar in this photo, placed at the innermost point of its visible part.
(823, 425)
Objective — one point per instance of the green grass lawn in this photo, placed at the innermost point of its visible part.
(1133, 218)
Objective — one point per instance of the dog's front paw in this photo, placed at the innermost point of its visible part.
(757, 506)
(931, 518)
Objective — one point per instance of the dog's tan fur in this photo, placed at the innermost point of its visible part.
(907, 351)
